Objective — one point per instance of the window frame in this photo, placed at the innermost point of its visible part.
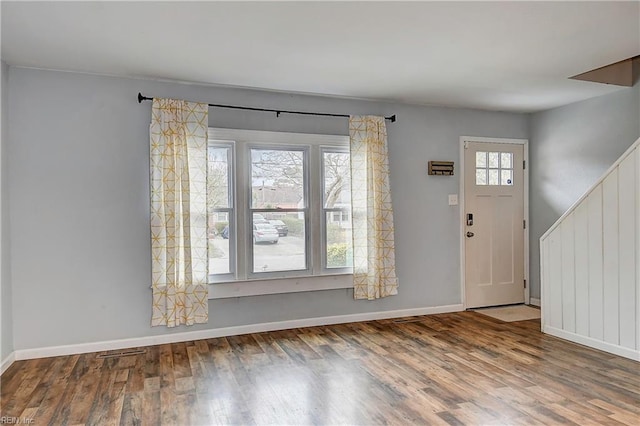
(244, 281)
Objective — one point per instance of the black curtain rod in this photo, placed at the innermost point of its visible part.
(277, 111)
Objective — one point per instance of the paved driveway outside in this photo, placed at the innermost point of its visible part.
(287, 254)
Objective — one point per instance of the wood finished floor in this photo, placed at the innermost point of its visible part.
(460, 368)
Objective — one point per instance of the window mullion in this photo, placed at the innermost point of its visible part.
(316, 202)
(243, 183)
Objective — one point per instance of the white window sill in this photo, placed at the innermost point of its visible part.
(279, 285)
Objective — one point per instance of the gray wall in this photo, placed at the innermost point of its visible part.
(6, 318)
(78, 173)
(570, 148)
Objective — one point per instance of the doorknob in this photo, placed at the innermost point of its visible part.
(470, 234)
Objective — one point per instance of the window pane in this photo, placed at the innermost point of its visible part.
(505, 160)
(481, 159)
(493, 159)
(277, 179)
(481, 176)
(337, 179)
(493, 177)
(272, 252)
(219, 233)
(506, 177)
(218, 178)
(339, 246)
(219, 205)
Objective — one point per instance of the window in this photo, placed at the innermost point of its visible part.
(279, 205)
(279, 185)
(337, 208)
(220, 209)
(494, 168)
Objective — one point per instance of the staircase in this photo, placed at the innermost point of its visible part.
(590, 264)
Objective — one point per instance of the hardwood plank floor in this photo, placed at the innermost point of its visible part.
(459, 368)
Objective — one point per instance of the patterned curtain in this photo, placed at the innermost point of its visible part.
(178, 212)
(374, 271)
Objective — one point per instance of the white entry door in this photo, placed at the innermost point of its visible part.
(494, 224)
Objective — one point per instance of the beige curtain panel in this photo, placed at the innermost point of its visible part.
(374, 274)
(178, 134)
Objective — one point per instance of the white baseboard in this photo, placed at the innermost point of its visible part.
(6, 363)
(534, 302)
(227, 331)
(593, 343)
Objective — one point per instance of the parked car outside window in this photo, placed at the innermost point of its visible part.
(265, 233)
(283, 229)
(258, 218)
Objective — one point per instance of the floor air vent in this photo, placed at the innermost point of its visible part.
(118, 354)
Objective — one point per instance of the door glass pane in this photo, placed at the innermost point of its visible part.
(500, 168)
(339, 247)
(277, 179)
(506, 177)
(505, 160)
(481, 159)
(493, 177)
(337, 179)
(273, 250)
(493, 160)
(481, 176)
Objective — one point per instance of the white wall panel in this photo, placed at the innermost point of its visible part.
(638, 249)
(568, 275)
(591, 264)
(544, 277)
(610, 247)
(596, 316)
(581, 266)
(555, 279)
(627, 263)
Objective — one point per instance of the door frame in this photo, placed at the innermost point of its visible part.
(525, 143)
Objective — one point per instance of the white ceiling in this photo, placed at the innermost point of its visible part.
(509, 56)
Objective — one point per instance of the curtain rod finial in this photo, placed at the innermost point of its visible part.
(393, 118)
(140, 98)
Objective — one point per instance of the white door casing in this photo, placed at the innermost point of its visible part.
(494, 243)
